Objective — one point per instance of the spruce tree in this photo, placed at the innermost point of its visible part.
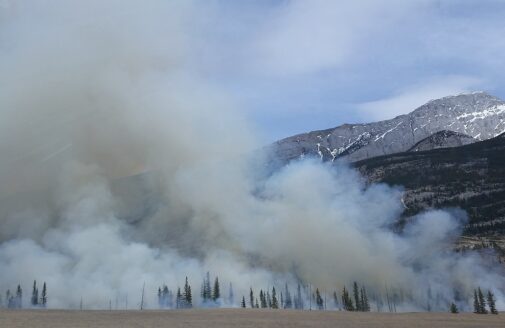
(288, 301)
(482, 301)
(263, 299)
(216, 294)
(319, 300)
(206, 290)
(491, 302)
(243, 302)
(166, 295)
(347, 301)
(269, 300)
(43, 299)
(357, 301)
(275, 303)
(476, 305)
(453, 308)
(35, 294)
(178, 299)
(188, 299)
(19, 297)
(251, 298)
(365, 306)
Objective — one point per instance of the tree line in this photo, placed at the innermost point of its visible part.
(480, 302)
(210, 293)
(304, 297)
(15, 300)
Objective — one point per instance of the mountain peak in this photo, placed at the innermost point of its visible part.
(469, 98)
(478, 115)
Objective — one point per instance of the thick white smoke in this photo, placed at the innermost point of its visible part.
(121, 165)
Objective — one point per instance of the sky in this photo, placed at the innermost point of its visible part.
(299, 65)
(293, 66)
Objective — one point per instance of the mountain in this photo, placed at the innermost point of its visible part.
(471, 177)
(478, 115)
(443, 139)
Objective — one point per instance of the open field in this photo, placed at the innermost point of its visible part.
(240, 318)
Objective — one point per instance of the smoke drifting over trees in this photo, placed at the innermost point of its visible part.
(94, 92)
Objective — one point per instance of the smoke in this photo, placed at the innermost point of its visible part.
(122, 165)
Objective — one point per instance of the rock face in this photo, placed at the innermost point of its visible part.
(443, 139)
(478, 115)
(470, 177)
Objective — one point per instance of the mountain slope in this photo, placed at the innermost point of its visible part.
(478, 115)
(471, 177)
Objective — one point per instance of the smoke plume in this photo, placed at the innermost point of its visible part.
(121, 164)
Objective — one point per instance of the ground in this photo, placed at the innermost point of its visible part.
(240, 318)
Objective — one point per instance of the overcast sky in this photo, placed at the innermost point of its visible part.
(300, 65)
(311, 64)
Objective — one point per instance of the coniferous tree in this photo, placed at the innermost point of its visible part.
(35, 294)
(178, 299)
(357, 301)
(361, 300)
(453, 308)
(188, 299)
(251, 298)
(43, 299)
(243, 302)
(347, 301)
(257, 306)
(482, 301)
(288, 302)
(319, 300)
(269, 300)
(263, 299)
(206, 289)
(491, 302)
(476, 304)
(165, 297)
(275, 303)
(216, 294)
(19, 297)
(365, 306)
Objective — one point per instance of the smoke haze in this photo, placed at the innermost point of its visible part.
(121, 164)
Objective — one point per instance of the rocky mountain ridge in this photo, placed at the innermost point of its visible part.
(478, 115)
